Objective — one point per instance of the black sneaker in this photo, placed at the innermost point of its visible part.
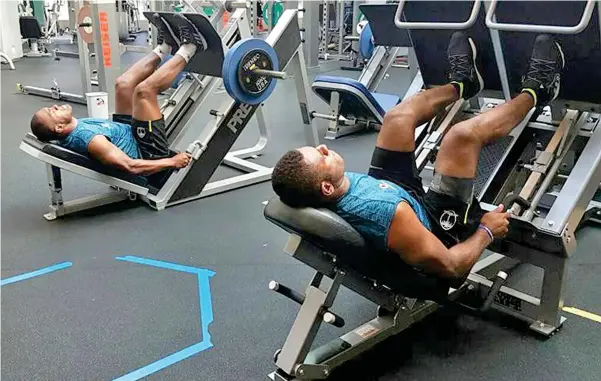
(543, 79)
(164, 33)
(189, 34)
(464, 71)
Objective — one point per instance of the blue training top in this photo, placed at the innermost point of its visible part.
(370, 204)
(119, 134)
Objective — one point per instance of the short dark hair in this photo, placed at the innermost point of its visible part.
(41, 130)
(296, 182)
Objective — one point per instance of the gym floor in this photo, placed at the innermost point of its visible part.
(103, 318)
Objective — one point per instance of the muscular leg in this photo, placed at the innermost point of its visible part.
(460, 148)
(398, 130)
(145, 102)
(127, 82)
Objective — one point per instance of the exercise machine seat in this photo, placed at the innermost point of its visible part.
(355, 99)
(83, 161)
(332, 234)
(30, 27)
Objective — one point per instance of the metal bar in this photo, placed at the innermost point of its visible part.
(104, 17)
(529, 214)
(264, 135)
(444, 126)
(530, 185)
(8, 60)
(399, 23)
(340, 26)
(301, 79)
(304, 329)
(54, 94)
(578, 190)
(584, 21)
(270, 73)
(551, 300)
(500, 59)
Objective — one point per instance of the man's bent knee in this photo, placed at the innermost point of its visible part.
(463, 134)
(145, 90)
(401, 115)
(123, 86)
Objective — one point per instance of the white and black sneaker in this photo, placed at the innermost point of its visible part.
(464, 73)
(164, 33)
(189, 34)
(543, 79)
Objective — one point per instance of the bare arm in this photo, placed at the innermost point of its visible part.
(418, 247)
(101, 149)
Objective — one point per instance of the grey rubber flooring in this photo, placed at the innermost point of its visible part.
(102, 318)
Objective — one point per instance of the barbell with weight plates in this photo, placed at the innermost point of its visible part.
(249, 70)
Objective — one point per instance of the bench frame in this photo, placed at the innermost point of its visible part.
(534, 239)
(192, 182)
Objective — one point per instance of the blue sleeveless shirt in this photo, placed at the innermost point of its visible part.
(119, 134)
(370, 204)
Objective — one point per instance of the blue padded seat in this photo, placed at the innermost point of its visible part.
(355, 99)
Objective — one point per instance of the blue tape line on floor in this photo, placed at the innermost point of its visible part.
(165, 362)
(33, 274)
(206, 317)
(166, 265)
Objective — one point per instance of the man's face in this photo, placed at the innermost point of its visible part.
(56, 117)
(328, 163)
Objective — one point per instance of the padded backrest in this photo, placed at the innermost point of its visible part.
(83, 161)
(30, 27)
(431, 45)
(581, 80)
(321, 226)
(350, 104)
(331, 233)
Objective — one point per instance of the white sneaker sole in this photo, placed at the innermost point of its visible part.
(563, 65)
(474, 55)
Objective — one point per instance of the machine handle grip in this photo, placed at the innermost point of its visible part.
(400, 24)
(333, 319)
(491, 23)
(494, 290)
(287, 292)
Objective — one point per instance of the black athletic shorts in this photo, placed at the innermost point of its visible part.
(152, 142)
(150, 135)
(453, 210)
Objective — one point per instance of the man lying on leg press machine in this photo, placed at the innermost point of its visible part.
(443, 231)
(134, 141)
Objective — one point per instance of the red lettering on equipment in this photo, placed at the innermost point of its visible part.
(105, 39)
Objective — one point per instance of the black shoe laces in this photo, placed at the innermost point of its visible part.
(461, 65)
(185, 33)
(160, 35)
(542, 71)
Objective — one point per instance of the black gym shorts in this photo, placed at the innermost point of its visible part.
(453, 210)
(150, 136)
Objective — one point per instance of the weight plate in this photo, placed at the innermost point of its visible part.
(250, 82)
(366, 42)
(84, 16)
(232, 63)
(277, 10)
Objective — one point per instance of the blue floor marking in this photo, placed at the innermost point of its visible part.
(33, 274)
(206, 317)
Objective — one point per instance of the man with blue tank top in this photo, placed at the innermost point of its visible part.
(442, 231)
(134, 140)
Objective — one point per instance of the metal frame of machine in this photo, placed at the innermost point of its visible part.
(192, 182)
(543, 235)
